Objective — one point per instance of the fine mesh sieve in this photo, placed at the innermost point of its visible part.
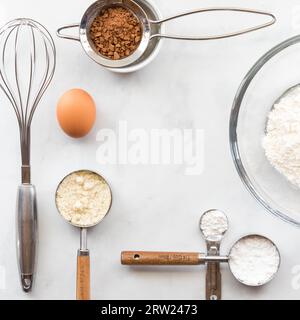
(147, 26)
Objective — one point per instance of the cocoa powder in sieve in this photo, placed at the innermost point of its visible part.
(116, 33)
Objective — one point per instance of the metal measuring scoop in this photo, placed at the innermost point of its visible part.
(83, 254)
(196, 258)
(147, 27)
(213, 238)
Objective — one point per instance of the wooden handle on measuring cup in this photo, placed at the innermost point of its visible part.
(161, 258)
(83, 276)
(213, 281)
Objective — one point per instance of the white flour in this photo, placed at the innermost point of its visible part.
(254, 260)
(83, 198)
(213, 224)
(282, 141)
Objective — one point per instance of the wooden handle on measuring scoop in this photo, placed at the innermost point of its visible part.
(83, 276)
(160, 258)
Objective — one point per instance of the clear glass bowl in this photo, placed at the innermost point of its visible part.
(269, 78)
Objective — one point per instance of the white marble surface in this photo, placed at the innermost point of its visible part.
(189, 85)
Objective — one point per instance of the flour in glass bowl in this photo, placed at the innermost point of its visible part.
(282, 140)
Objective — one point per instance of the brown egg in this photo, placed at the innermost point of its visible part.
(76, 113)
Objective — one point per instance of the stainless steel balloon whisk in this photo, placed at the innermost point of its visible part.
(27, 64)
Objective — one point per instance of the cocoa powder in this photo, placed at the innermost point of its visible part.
(116, 33)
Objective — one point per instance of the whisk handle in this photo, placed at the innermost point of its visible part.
(26, 220)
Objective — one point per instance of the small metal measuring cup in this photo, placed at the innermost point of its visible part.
(147, 25)
(83, 254)
(213, 243)
(192, 258)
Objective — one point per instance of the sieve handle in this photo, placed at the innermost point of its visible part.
(161, 258)
(65, 36)
(215, 37)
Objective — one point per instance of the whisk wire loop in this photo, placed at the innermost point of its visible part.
(25, 39)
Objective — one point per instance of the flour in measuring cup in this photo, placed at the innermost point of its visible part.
(83, 198)
(254, 260)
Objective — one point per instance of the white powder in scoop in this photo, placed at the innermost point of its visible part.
(83, 198)
(254, 260)
(282, 140)
(213, 224)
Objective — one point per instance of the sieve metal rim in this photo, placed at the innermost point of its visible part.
(89, 16)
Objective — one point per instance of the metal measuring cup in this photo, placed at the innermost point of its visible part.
(83, 254)
(245, 281)
(147, 25)
(193, 258)
(213, 243)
